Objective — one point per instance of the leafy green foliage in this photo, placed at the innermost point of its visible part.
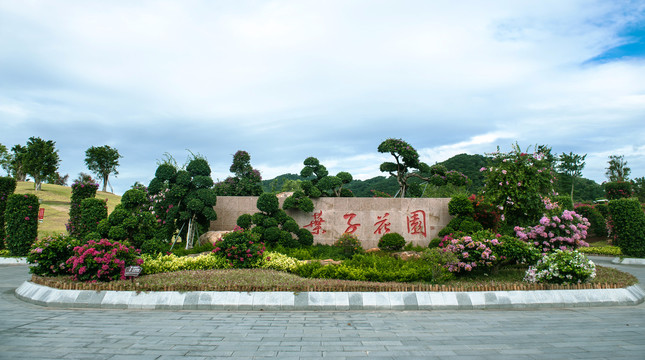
(628, 226)
(130, 221)
(572, 165)
(102, 161)
(21, 219)
(391, 242)
(48, 255)
(598, 224)
(460, 205)
(268, 204)
(40, 159)
(406, 159)
(298, 201)
(617, 169)
(7, 187)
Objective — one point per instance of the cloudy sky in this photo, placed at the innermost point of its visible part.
(285, 80)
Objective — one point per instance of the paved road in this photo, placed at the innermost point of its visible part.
(33, 332)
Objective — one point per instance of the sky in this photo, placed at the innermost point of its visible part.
(288, 79)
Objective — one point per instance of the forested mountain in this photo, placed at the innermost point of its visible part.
(584, 189)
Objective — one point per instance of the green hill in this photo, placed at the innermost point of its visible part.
(55, 199)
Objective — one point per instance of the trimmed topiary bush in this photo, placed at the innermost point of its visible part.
(628, 221)
(93, 210)
(7, 187)
(49, 255)
(298, 201)
(460, 205)
(391, 242)
(21, 218)
(80, 191)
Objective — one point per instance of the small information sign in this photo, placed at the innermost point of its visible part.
(132, 271)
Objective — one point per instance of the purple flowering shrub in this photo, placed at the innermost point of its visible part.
(473, 252)
(102, 260)
(565, 232)
(242, 248)
(50, 254)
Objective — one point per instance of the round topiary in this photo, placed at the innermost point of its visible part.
(155, 186)
(202, 182)
(291, 226)
(271, 235)
(165, 172)
(268, 203)
(133, 199)
(183, 178)
(198, 166)
(287, 240)
(244, 221)
(305, 237)
(391, 242)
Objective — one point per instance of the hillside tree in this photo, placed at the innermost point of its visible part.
(102, 161)
(617, 169)
(40, 160)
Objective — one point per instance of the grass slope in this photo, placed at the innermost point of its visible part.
(55, 199)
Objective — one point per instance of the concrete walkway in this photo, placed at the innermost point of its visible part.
(28, 331)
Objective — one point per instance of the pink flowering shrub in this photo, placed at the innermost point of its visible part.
(48, 255)
(472, 252)
(565, 232)
(102, 260)
(242, 248)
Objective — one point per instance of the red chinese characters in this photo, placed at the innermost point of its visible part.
(382, 224)
(351, 228)
(417, 222)
(316, 224)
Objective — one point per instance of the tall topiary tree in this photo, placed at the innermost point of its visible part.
(130, 220)
(21, 223)
(628, 226)
(7, 187)
(93, 210)
(406, 159)
(247, 180)
(80, 191)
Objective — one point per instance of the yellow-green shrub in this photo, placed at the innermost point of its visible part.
(153, 264)
(601, 250)
(280, 262)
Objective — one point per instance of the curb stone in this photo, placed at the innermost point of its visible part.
(324, 301)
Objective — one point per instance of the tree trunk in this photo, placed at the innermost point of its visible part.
(105, 180)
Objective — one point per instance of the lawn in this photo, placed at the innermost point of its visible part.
(55, 199)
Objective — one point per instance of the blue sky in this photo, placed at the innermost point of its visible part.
(285, 80)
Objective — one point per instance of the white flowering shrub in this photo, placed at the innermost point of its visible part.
(562, 267)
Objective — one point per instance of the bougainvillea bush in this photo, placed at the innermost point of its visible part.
(21, 218)
(562, 267)
(48, 255)
(565, 232)
(102, 260)
(242, 248)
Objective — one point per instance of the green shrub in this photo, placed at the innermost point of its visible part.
(241, 248)
(604, 210)
(564, 201)
(245, 221)
(485, 213)
(299, 201)
(598, 224)
(7, 187)
(102, 260)
(268, 203)
(165, 172)
(460, 205)
(160, 263)
(628, 226)
(618, 190)
(601, 250)
(278, 261)
(391, 242)
(465, 224)
(434, 243)
(349, 244)
(48, 255)
(93, 210)
(80, 191)
(562, 267)
(512, 250)
(21, 218)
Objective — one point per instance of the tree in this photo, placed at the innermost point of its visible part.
(572, 165)
(247, 180)
(406, 158)
(16, 166)
(40, 159)
(102, 161)
(617, 169)
(5, 159)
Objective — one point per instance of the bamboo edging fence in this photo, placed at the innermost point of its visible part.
(327, 288)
